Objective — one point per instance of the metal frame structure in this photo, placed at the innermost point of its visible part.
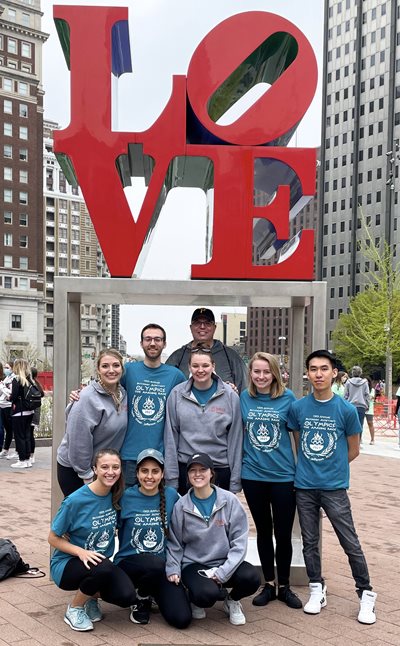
(71, 293)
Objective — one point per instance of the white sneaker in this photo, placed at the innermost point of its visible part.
(11, 456)
(317, 599)
(32, 459)
(24, 464)
(3, 453)
(234, 611)
(367, 607)
(198, 613)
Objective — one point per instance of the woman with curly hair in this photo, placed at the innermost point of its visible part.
(268, 474)
(146, 510)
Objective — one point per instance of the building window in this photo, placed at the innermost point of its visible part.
(7, 107)
(23, 283)
(23, 176)
(23, 110)
(23, 241)
(7, 129)
(7, 85)
(12, 46)
(8, 239)
(7, 151)
(16, 321)
(23, 154)
(8, 195)
(7, 217)
(23, 219)
(7, 173)
(23, 262)
(26, 50)
(23, 132)
(7, 282)
(8, 262)
(23, 88)
(23, 197)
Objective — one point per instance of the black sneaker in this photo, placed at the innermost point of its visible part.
(140, 611)
(267, 594)
(287, 595)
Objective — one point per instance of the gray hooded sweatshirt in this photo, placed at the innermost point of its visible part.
(93, 423)
(220, 542)
(215, 428)
(356, 391)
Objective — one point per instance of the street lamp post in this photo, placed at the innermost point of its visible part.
(282, 339)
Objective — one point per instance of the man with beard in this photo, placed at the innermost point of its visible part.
(228, 364)
(148, 384)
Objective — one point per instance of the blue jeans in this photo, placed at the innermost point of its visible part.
(336, 505)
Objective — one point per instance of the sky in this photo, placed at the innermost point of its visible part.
(163, 36)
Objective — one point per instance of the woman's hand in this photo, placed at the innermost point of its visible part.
(74, 396)
(174, 578)
(88, 556)
(232, 385)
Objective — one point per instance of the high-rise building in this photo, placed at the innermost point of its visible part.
(21, 217)
(360, 134)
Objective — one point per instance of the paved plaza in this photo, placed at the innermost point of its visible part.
(31, 611)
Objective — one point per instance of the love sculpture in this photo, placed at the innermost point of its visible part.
(186, 146)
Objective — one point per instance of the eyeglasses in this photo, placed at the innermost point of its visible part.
(156, 339)
(200, 350)
(199, 323)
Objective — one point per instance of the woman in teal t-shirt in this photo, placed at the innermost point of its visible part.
(146, 510)
(82, 562)
(268, 474)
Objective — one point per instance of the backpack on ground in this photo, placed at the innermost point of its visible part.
(10, 559)
(32, 396)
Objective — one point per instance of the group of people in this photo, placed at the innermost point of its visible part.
(360, 392)
(157, 455)
(18, 419)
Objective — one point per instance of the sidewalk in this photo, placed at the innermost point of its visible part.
(31, 611)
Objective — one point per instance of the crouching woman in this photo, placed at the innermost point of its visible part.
(82, 533)
(207, 544)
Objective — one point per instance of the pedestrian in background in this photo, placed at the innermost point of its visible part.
(356, 392)
(21, 414)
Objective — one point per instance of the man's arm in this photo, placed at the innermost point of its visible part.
(353, 446)
(296, 437)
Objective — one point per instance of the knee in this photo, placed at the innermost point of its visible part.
(180, 622)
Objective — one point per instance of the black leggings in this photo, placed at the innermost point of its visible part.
(21, 428)
(68, 479)
(105, 578)
(278, 498)
(6, 417)
(222, 478)
(147, 573)
(204, 592)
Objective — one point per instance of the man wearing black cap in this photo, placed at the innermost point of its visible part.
(228, 364)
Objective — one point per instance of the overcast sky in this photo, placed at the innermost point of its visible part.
(164, 35)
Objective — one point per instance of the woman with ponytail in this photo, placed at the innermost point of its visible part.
(146, 510)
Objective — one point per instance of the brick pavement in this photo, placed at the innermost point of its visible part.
(31, 611)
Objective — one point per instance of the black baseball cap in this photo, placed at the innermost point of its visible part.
(203, 312)
(200, 458)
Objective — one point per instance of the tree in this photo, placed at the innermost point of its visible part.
(370, 332)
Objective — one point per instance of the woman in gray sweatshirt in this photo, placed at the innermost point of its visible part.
(97, 421)
(207, 544)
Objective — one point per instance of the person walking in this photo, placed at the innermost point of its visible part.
(369, 415)
(82, 534)
(5, 409)
(326, 430)
(268, 474)
(35, 421)
(207, 545)
(339, 383)
(145, 517)
(21, 414)
(356, 391)
(203, 414)
(96, 421)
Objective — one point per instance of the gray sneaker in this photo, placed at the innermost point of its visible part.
(77, 619)
(93, 610)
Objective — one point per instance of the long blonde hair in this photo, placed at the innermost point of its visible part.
(22, 371)
(277, 385)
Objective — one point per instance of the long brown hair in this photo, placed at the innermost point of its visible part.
(118, 487)
(277, 385)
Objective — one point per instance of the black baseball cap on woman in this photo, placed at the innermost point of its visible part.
(200, 458)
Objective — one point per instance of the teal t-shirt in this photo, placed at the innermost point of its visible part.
(140, 529)
(148, 389)
(203, 396)
(204, 505)
(267, 448)
(90, 522)
(322, 461)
